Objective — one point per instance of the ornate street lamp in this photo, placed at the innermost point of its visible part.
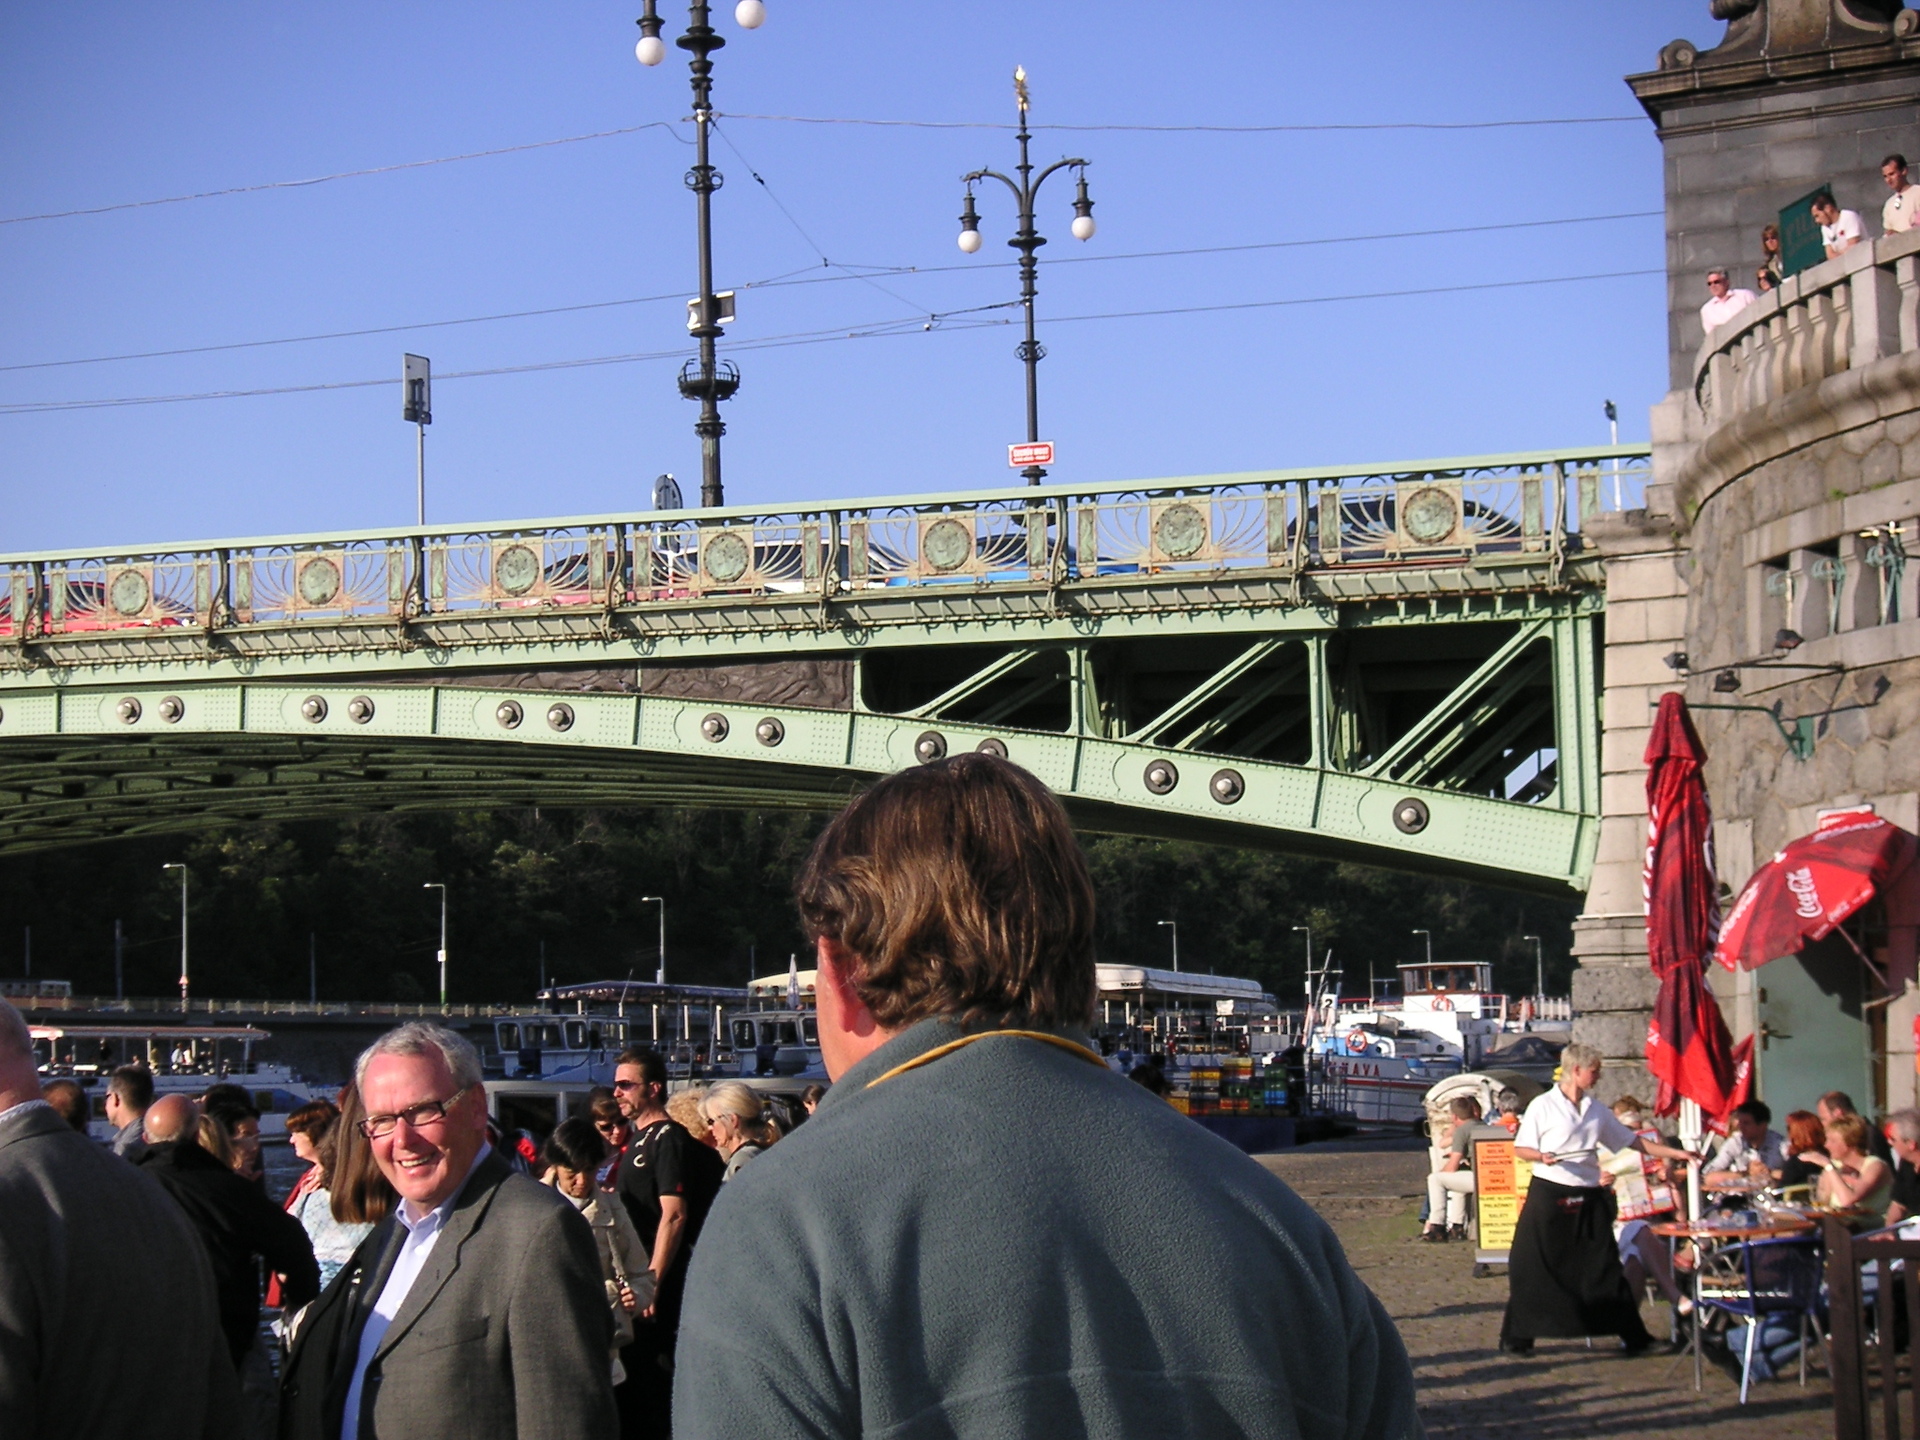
(707, 379)
(1027, 241)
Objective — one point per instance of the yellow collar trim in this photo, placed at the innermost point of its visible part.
(965, 1040)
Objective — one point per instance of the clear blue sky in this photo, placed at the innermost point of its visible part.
(108, 103)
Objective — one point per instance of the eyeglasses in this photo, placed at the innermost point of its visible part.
(627, 1084)
(418, 1117)
(606, 1127)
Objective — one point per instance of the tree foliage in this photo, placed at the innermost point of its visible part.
(574, 881)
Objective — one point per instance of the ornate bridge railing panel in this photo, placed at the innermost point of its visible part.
(1490, 508)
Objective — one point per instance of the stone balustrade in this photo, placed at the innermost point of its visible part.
(1842, 314)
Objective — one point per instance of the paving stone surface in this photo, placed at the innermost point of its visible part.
(1370, 1192)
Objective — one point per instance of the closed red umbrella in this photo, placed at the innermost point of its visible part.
(1807, 890)
(1689, 1051)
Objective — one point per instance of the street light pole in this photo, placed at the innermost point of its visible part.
(707, 379)
(1539, 968)
(175, 865)
(1174, 926)
(1028, 241)
(443, 940)
(660, 975)
(1429, 935)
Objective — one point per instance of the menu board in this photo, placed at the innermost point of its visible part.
(1501, 1179)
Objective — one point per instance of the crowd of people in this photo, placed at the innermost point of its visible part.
(945, 1246)
(1840, 231)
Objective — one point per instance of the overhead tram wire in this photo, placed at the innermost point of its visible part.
(905, 325)
(787, 279)
(1305, 129)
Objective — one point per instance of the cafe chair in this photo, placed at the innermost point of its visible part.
(1753, 1279)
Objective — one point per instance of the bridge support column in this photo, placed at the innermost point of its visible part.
(1646, 619)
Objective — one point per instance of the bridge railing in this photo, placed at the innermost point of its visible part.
(1842, 314)
(1528, 508)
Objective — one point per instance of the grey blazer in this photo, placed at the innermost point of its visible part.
(107, 1319)
(505, 1333)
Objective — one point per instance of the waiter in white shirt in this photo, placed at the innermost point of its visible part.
(1563, 1270)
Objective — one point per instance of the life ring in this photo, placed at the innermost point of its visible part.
(1357, 1042)
(1442, 1003)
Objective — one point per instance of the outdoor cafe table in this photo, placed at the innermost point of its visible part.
(1674, 1231)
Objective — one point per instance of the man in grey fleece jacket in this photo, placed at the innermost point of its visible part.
(984, 1232)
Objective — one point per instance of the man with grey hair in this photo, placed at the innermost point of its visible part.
(1723, 302)
(477, 1308)
(1903, 1138)
(107, 1318)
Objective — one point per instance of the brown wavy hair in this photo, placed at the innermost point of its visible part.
(359, 1193)
(960, 891)
(1805, 1132)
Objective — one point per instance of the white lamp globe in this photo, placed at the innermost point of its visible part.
(969, 241)
(651, 50)
(750, 14)
(1083, 227)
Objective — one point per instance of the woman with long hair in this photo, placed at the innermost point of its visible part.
(359, 1194)
(314, 1131)
(735, 1113)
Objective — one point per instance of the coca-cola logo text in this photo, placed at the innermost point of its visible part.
(1806, 898)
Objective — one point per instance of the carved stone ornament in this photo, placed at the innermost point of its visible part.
(1767, 29)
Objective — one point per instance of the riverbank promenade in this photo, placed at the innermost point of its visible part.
(1370, 1192)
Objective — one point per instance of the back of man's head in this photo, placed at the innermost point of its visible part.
(959, 890)
(171, 1117)
(19, 1071)
(134, 1085)
(1836, 1102)
(69, 1100)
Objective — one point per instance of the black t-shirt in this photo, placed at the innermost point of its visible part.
(663, 1159)
(1906, 1188)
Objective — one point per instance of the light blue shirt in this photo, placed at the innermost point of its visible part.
(422, 1234)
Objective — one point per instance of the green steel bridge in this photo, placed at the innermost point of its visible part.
(1395, 664)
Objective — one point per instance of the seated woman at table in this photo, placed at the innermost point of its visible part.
(1853, 1178)
(1806, 1151)
(1642, 1256)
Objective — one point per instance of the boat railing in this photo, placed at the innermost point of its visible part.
(162, 1007)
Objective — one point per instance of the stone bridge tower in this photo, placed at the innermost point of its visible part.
(1785, 498)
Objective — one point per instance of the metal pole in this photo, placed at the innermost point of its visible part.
(119, 954)
(1174, 926)
(1028, 242)
(175, 865)
(420, 473)
(710, 387)
(660, 975)
(543, 964)
(1429, 935)
(1539, 969)
(434, 885)
(28, 953)
(313, 969)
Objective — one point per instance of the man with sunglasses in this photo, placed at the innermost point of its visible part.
(477, 1308)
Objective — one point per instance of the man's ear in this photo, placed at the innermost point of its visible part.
(836, 966)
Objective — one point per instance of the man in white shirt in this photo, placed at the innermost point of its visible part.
(1902, 209)
(1752, 1153)
(1840, 230)
(1564, 1275)
(1724, 302)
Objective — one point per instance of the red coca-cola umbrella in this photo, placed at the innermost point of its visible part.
(1810, 888)
(1689, 1051)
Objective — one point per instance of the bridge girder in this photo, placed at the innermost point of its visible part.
(1275, 659)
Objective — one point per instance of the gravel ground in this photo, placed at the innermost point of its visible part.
(1371, 1191)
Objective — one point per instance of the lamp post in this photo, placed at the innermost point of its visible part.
(1429, 935)
(1539, 968)
(443, 940)
(660, 975)
(707, 379)
(175, 865)
(1027, 241)
(1174, 926)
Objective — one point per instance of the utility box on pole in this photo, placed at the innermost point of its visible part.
(416, 407)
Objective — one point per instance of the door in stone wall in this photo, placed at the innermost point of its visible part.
(1815, 1034)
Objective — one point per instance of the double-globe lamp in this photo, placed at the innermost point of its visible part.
(748, 15)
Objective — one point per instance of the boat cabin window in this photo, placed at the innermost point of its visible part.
(810, 1030)
(743, 1035)
(576, 1034)
(508, 1037)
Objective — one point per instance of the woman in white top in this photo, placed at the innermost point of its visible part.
(1563, 1271)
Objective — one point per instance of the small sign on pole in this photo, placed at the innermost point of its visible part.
(416, 407)
(1032, 452)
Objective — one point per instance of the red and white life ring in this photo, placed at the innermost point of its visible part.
(1357, 1042)
(1442, 1002)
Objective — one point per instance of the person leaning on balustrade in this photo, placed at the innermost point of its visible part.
(1840, 230)
(1723, 302)
(1902, 210)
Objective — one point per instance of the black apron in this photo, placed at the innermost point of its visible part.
(1563, 1271)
